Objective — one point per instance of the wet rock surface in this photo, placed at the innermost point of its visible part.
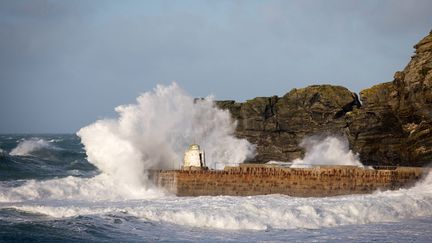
(392, 125)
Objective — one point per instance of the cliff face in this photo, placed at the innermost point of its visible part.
(394, 125)
(391, 126)
(277, 125)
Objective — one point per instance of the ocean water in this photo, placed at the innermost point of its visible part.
(49, 192)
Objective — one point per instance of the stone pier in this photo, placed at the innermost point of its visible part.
(258, 179)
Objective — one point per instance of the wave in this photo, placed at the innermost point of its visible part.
(27, 147)
(225, 212)
(31, 167)
(55, 140)
(98, 188)
(40, 159)
(328, 150)
(155, 132)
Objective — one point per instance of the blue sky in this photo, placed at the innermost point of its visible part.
(64, 64)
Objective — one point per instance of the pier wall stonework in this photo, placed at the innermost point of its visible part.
(299, 182)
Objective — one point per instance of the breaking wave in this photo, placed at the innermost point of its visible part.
(28, 146)
(151, 134)
(155, 132)
(253, 213)
(327, 151)
(98, 188)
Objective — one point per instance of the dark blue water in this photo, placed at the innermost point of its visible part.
(25, 227)
(45, 197)
(63, 156)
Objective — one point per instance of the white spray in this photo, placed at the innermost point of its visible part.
(234, 213)
(326, 151)
(26, 147)
(154, 133)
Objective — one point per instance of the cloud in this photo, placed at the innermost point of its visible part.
(58, 55)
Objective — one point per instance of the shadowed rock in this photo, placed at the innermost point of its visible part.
(278, 124)
(393, 126)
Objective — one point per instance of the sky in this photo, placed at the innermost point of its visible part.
(65, 64)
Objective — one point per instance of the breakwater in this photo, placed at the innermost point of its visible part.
(254, 179)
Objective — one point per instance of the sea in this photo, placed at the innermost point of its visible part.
(50, 192)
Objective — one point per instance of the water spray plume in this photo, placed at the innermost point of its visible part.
(155, 132)
(28, 146)
(327, 151)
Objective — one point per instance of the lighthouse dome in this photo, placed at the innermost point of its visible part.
(194, 147)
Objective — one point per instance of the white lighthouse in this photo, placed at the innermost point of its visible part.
(194, 158)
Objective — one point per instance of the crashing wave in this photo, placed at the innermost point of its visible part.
(329, 150)
(154, 133)
(28, 146)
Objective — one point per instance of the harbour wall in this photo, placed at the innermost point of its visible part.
(248, 180)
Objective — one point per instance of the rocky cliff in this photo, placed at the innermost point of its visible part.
(392, 125)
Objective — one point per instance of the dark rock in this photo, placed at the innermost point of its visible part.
(401, 130)
(278, 124)
(393, 126)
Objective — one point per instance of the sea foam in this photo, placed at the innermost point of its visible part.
(255, 212)
(154, 133)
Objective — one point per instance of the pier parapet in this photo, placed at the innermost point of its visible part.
(258, 179)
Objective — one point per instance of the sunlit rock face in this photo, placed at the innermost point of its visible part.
(278, 124)
(392, 125)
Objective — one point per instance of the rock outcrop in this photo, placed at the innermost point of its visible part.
(278, 124)
(391, 126)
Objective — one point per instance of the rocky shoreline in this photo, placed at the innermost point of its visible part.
(390, 124)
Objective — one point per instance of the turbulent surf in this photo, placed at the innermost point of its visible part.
(93, 187)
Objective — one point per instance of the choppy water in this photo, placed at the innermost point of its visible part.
(49, 192)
